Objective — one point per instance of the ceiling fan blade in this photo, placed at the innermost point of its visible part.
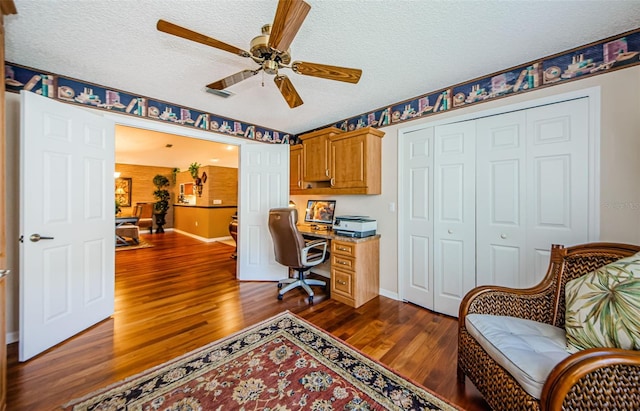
(179, 31)
(288, 91)
(233, 79)
(348, 75)
(290, 15)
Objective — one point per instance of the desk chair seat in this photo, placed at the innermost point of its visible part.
(292, 251)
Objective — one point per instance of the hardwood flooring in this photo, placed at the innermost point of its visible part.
(182, 294)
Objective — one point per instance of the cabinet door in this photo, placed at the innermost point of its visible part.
(316, 158)
(348, 162)
(295, 164)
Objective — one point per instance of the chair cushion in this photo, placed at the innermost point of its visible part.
(603, 307)
(527, 349)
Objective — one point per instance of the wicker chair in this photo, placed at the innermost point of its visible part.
(593, 379)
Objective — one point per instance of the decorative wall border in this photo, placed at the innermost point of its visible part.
(613, 53)
(73, 91)
(600, 57)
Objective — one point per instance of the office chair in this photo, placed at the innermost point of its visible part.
(292, 251)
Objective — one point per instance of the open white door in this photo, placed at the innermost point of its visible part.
(264, 184)
(66, 193)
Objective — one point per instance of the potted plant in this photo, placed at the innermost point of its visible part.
(162, 196)
(118, 207)
(193, 170)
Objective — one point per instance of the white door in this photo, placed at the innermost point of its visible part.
(264, 184)
(416, 214)
(557, 181)
(66, 193)
(500, 184)
(454, 215)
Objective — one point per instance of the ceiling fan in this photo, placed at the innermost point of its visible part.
(271, 51)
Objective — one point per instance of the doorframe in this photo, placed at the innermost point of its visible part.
(146, 124)
(591, 93)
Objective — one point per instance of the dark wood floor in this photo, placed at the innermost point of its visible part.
(182, 294)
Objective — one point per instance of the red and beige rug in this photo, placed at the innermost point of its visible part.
(283, 363)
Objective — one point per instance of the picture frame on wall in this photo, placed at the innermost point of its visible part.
(123, 191)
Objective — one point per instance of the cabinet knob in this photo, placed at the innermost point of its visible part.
(326, 172)
(503, 236)
(333, 181)
(342, 248)
(299, 184)
(341, 282)
(342, 262)
(450, 231)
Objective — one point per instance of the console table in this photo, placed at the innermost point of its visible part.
(355, 266)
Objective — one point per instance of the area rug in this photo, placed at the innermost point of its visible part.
(283, 363)
(141, 244)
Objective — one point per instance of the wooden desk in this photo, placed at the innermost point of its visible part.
(355, 266)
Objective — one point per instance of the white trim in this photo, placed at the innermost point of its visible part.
(389, 294)
(203, 239)
(592, 93)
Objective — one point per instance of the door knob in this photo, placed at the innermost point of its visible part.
(37, 237)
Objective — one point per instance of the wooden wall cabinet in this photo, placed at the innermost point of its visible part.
(296, 180)
(355, 270)
(356, 160)
(335, 162)
(316, 159)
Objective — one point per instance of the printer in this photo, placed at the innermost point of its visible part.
(354, 226)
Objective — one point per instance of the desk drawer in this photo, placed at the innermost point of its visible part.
(342, 283)
(343, 248)
(346, 263)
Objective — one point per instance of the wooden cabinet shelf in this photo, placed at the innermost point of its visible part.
(335, 162)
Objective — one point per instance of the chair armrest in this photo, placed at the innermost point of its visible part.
(597, 378)
(529, 303)
(312, 260)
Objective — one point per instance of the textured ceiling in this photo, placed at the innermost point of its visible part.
(405, 48)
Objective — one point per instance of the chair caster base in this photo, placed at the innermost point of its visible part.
(310, 299)
(280, 297)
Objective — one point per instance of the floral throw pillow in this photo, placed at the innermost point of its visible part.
(603, 307)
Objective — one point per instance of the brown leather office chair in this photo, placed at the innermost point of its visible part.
(144, 212)
(292, 251)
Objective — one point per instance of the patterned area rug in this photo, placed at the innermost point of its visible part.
(142, 244)
(283, 363)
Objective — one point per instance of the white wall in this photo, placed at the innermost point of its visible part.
(619, 188)
(619, 167)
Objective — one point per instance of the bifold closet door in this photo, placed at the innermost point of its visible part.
(557, 181)
(501, 200)
(416, 250)
(454, 215)
(532, 184)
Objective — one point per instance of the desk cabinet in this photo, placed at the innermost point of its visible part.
(355, 271)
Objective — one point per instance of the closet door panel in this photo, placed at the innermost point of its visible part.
(454, 215)
(500, 214)
(558, 177)
(416, 246)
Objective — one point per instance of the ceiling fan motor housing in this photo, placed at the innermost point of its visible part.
(261, 50)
